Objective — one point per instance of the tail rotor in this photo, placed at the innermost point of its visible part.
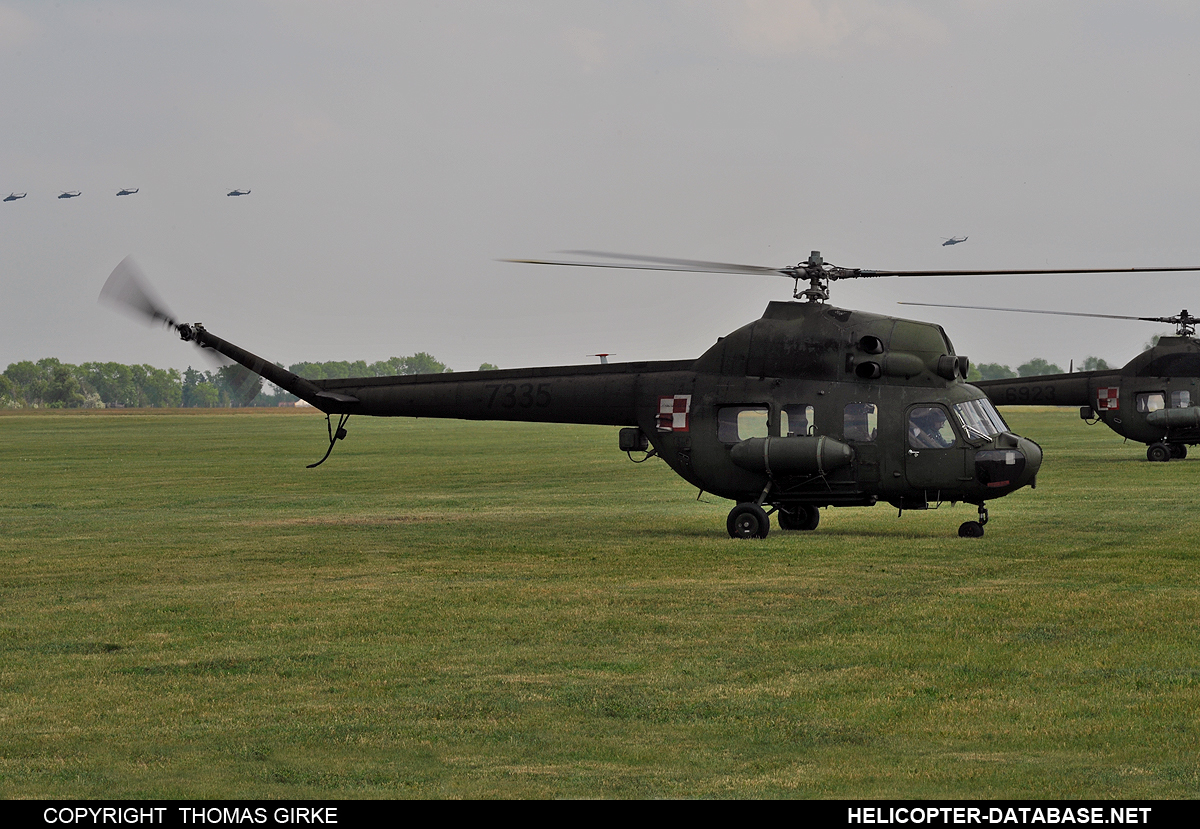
(128, 290)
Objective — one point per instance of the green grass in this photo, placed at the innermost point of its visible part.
(451, 609)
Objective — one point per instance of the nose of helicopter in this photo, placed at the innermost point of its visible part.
(1012, 463)
(1033, 461)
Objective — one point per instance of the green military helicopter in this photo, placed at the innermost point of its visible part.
(1153, 400)
(810, 406)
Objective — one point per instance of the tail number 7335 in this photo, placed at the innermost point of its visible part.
(518, 395)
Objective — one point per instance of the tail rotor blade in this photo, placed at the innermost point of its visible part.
(244, 385)
(128, 290)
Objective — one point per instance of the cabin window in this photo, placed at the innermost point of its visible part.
(796, 421)
(929, 428)
(737, 423)
(1181, 399)
(1150, 401)
(860, 422)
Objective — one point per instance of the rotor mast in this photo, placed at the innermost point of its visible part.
(1185, 324)
(819, 274)
(813, 269)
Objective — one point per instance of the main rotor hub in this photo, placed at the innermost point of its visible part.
(819, 274)
(1185, 324)
(813, 269)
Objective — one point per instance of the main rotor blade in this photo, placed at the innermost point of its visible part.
(128, 290)
(698, 265)
(1053, 313)
(832, 273)
(1028, 272)
(656, 263)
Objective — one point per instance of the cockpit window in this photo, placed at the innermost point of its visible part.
(979, 418)
(737, 423)
(929, 428)
(994, 416)
(860, 423)
(1181, 399)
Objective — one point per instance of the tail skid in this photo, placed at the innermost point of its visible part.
(334, 437)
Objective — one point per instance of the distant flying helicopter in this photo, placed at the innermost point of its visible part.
(14, 196)
(238, 193)
(69, 194)
(125, 191)
(1154, 399)
(953, 240)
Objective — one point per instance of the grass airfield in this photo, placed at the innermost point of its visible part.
(450, 609)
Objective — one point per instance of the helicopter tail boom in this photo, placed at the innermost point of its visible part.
(602, 395)
(1047, 390)
(306, 390)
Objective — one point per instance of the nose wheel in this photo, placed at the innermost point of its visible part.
(974, 529)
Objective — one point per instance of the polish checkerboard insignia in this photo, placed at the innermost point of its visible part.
(1108, 399)
(674, 412)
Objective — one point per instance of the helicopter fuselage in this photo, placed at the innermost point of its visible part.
(1154, 399)
(809, 406)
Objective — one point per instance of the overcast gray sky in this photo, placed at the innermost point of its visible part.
(395, 151)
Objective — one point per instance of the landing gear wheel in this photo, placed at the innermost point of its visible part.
(748, 521)
(970, 529)
(1158, 452)
(1178, 451)
(799, 517)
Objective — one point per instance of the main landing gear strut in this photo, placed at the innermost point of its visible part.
(750, 520)
(1162, 451)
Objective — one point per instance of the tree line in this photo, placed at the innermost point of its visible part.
(1034, 368)
(50, 383)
